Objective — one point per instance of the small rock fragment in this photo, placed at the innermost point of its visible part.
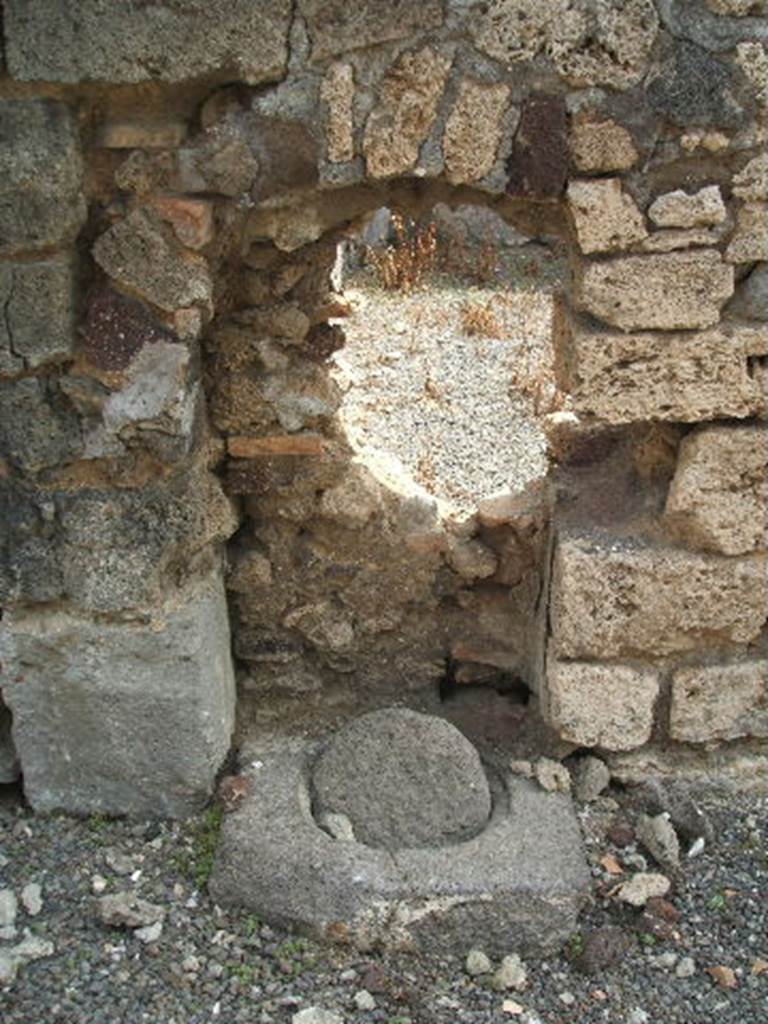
(567, 998)
(552, 776)
(512, 974)
(119, 862)
(339, 826)
(512, 1008)
(8, 907)
(32, 898)
(660, 839)
(524, 768)
(477, 963)
(364, 1000)
(30, 948)
(590, 777)
(642, 886)
(686, 968)
(603, 948)
(724, 976)
(98, 884)
(126, 910)
(150, 933)
(316, 1015)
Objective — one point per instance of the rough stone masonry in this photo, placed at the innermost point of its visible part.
(175, 488)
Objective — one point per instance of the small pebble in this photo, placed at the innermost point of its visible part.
(567, 998)
(364, 1000)
(686, 968)
(32, 898)
(477, 963)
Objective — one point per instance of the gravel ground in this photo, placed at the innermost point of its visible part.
(210, 965)
(455, 408)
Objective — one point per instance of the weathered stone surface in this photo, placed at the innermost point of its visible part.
(605, 43)
(692, 88)
(110, 41)
(750, 239)
(221, 160)
(719, 702)
(614, 598)
(718, 498)
(130, 717)
(751, 183)
(37, 325)
(191, 219)
(605, 216)
(625, 378)
(116, 328)
(517, 885)
(473, 227)
(404, 780)
(41, 203)
(108, 549)
(334, 27)
(137, 254)
(599, 146)
(538, 163)
(405, 113)
(9, 761)
(751, 298)
(338, 93)
(680, 210)
(473, 131)
(38, 427)
(598, 705)
(660, 292)
(735, 8)
(669, 239)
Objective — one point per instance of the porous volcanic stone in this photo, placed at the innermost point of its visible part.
(122, 717)
(38, 323)
(404, 780)
(114, 41)
(41, 203)
(517, 886)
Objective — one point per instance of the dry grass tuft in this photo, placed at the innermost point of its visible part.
(480, 320)
(404, 265)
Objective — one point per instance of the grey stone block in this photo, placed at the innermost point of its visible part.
(38, 427)
(41, 203)
(403, 779)
(38, 324)
(692, 88)
(131, 717)
(334, 26)
(114, 41)
(518, 885)
(106, 549)
(751, 298)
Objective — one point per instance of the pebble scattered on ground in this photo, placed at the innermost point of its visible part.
(696, 955)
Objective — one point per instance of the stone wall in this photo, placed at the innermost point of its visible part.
(175, 179)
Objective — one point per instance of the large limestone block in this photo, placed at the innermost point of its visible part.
(692, 376)
(592, 42)
(719, 702)
(41, 203)
(660, 292)
(598, 146)
(114, 41)
(108, 549)
(405, 113)
(598, 705)
(122, 717)
(38, 324)
(614, 598)
(750, 239)
(679, 210)
(718, 498)
(606, 218)
(473, 131)
(336, 26)
(404, 780)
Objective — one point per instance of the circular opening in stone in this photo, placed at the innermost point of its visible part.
(400, 779)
